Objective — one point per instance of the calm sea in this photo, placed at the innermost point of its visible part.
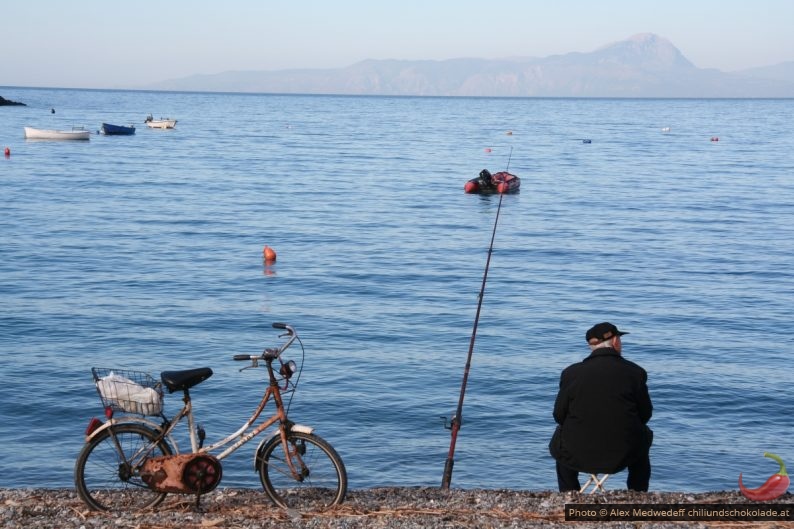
(145, 252)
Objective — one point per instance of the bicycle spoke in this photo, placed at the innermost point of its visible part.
(321, 480)
(104, 476)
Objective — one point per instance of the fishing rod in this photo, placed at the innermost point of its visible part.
(456, 420)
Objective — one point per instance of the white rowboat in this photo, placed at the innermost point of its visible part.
(162, 123)
(43, 134)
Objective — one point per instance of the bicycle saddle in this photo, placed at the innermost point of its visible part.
(181, 380)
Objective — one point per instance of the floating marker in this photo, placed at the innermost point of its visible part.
(7, 152)
(487, 149)
(269, 254)
(715, 138)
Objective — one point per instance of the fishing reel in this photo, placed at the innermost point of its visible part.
(450, 421)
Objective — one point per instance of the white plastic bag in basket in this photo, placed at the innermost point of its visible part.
(128, 395)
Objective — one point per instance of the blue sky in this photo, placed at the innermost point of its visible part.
(111, 43)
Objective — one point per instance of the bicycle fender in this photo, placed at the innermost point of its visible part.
(302, 428)
(259, 449)
(127, 420)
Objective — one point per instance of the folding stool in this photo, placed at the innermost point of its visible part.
(596, 483)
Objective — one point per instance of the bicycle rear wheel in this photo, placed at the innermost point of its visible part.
(105, 473)
(322, 479)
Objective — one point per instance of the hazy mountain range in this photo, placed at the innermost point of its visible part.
(644, 65)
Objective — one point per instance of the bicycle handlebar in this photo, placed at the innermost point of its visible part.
(271, 353)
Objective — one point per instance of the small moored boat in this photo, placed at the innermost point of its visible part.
(162, 123)
(501, 182)
(117, 130)
(77, 133)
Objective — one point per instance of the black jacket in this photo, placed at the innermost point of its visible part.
(601, 408)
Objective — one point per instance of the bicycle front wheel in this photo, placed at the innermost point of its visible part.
(106, 475)
(320, 480)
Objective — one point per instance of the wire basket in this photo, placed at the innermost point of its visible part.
(128, 391)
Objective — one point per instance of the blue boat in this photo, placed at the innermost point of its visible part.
(117, 130)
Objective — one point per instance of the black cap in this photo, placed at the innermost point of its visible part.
(602, 332)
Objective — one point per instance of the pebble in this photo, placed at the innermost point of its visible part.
(379, 508)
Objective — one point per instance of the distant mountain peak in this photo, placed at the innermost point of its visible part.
(645, 50)
(649, 39)
(644, 65)
(641, 41)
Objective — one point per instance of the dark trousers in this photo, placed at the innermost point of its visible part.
(639, 476)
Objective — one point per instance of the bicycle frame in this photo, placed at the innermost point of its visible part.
(280, 416)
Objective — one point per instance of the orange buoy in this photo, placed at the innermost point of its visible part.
(269, 254)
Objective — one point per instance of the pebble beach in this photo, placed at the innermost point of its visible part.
(396, 508)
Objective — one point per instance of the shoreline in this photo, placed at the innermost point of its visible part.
(390, 507)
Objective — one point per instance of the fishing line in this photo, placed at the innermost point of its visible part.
(456, 420)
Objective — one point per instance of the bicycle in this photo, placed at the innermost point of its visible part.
(132, 462)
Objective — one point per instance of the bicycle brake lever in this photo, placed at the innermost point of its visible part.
(254, 363)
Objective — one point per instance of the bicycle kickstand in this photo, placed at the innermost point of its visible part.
(198, 500)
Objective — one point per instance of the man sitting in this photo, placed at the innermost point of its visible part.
(486, 180)
(601, 410)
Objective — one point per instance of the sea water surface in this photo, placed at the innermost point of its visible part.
(145, 252)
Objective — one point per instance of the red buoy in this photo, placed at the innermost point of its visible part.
(7, 152)
(269, 254)
(487, 149)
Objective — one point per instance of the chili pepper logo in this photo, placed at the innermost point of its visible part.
(775, 486)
